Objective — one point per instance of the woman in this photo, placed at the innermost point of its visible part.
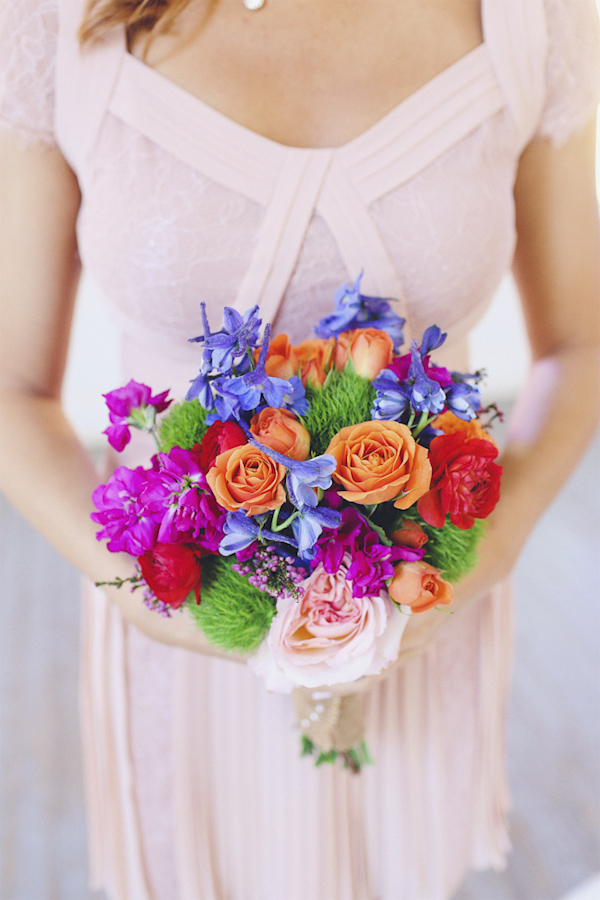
(196, 162)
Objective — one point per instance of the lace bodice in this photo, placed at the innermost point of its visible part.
(160, 234)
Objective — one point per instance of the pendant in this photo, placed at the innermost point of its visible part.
(254, 4)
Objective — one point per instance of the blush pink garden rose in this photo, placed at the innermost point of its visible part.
(328, 636)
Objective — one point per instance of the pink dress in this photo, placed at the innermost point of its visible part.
(195, 786)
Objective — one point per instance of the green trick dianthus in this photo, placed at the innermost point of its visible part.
(183, 426)
(232, 614)
(452, 550)
(346, 399)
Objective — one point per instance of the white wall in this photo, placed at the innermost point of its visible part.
(499, 345)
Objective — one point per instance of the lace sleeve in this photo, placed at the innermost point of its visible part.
(28, 35)
(573, 69)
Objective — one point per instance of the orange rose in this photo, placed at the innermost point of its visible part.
(342, 348)
(281, 361)
(313, 375)
(281, 430)
(379, 461)
(410, 534)
(450, 424)
(318, 349)
(419, 585)
(315, 359)
(371, 350)
(245, 478)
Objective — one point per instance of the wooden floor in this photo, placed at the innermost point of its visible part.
(553, 738)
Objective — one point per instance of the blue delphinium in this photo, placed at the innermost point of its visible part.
(415, 386)
(433, 338)
(396, 399)
(392, 399)
(355, 310)
(242, 530)
(309, 524)
(463, 400)
(237, 338)
(427, 394)
(304, 479)
(228, 396)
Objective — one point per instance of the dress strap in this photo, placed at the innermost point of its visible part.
(424, 126)
(284, 226)
(85, 79)
(515, 33)
(357, 236)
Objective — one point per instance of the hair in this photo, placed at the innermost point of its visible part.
(138, 16)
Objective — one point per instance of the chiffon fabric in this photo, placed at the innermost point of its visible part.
(195, 786)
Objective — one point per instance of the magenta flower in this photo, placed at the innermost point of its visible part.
(401, 366)
(128, 524)
(132, 406)
(178, 496)
(371, 561)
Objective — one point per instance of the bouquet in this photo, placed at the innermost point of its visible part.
(306, 500)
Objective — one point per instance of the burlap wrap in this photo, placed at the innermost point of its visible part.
(330, 722)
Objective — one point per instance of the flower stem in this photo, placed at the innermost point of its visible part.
(156, 441)
(423, 422)
(135, 580)
(279, 526)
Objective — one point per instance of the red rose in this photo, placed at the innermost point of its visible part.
(465, 483)
(221, 436)
(172, 571)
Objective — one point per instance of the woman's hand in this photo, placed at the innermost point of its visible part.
(179, 630)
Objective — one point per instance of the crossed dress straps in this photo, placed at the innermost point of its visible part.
(292, 184)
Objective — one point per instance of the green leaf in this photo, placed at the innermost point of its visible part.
(326, 757)
(307, 746)
(383, 538)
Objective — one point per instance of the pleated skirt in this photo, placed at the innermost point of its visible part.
(196, 789)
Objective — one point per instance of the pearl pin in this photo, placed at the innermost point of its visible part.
(254, 4)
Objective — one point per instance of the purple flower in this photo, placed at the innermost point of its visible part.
(238, 336)
(241, 531)
(427, 394)
(372, 561)
(294, 397)
(401, 366)
(128, 524)
(177, 493)
(392, 399)
(433, 338)
(410, 382)
(463, 399)
(201, 389)
(305, 477)
(309, 524)
(347, 537)
(229, 396)
(132, 405)
(355, 310)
